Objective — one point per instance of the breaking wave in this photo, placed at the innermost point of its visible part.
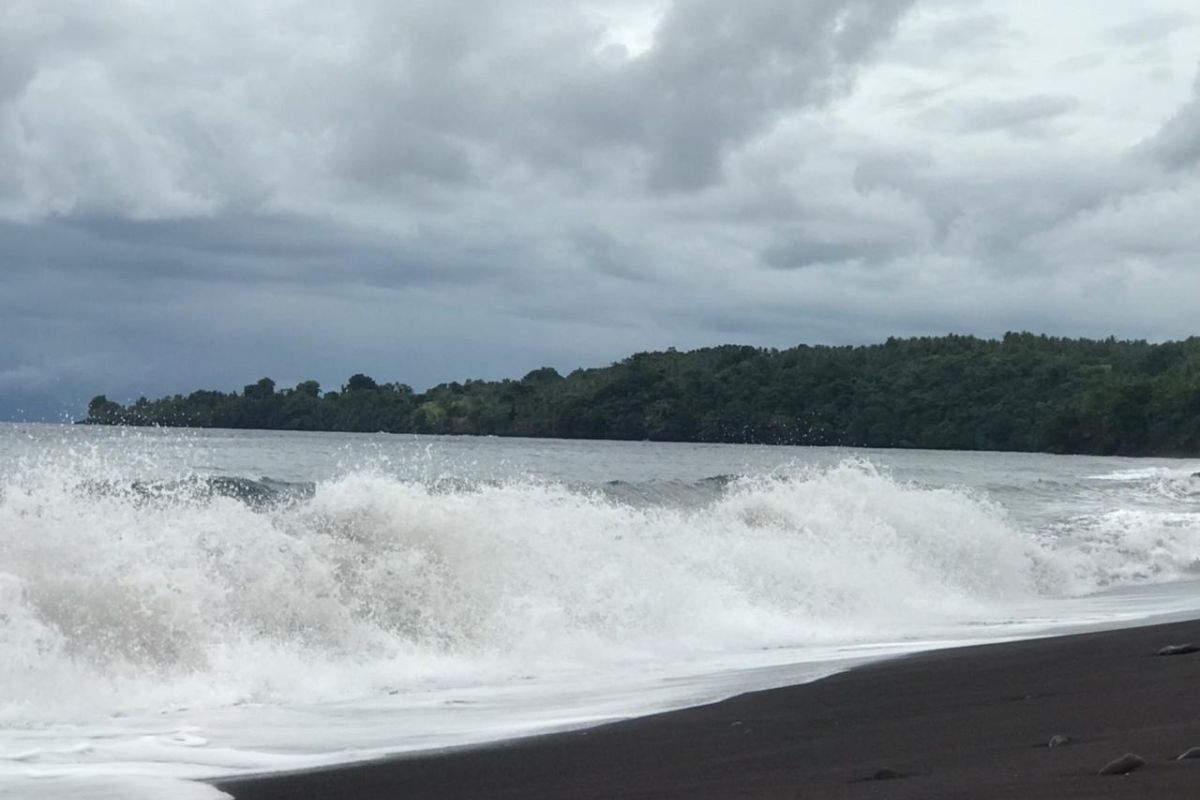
(215, 591)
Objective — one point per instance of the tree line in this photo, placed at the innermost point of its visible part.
(1023, 392)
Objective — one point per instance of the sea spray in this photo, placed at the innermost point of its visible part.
(377, 584)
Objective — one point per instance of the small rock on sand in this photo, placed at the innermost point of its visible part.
(1188, 754)
(885, 774)
(1058, 740)
(1178, 649)
(1123, 765)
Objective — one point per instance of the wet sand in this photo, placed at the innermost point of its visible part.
(966, 723)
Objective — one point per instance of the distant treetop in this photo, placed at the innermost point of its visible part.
(1023, 392)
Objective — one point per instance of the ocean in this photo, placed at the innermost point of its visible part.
(179, 604)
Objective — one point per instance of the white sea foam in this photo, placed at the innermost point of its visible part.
(118, 602)
(1174, 482)
(1129, 546)
(1142, 473)
(378, 584)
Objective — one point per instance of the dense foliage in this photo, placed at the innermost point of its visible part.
(1024, 392)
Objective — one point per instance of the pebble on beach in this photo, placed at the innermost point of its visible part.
(1123, 765)
(1178, 649)
(885, 774)
(1058, 740)
(1188, 754)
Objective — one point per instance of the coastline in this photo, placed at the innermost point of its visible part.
(966, 722)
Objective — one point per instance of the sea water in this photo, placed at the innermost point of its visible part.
(180, 605)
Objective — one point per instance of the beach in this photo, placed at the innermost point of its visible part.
(972, 722)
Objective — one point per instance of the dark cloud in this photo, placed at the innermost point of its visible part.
(719, 73)
(798, 252)
(605, 253)
(1177, 144)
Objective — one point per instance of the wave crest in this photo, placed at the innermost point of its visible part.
(376, 583)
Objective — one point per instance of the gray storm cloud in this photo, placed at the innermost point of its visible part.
(197, 194)
(176, 112)
(1177, 144)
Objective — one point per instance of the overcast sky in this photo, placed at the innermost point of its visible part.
(203, 192)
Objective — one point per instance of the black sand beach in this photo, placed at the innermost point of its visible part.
(967, 723)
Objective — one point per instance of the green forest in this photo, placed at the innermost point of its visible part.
(1023, 392)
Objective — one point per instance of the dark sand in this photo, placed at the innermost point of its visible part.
(965, 723)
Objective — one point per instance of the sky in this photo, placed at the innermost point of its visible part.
(200, 193)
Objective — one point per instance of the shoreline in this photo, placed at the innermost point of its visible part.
(968, 722)
(1166, 455)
